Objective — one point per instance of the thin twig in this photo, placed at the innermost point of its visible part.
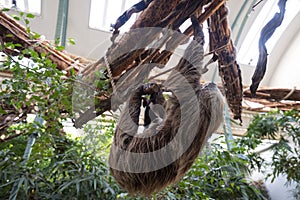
(256, 4)
(217, 49)
(162, 73)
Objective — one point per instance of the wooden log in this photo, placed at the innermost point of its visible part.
(276, 94)
(229, 70)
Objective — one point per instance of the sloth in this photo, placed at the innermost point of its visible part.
(147, 162)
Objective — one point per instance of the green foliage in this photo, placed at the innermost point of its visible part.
(39, 87)
(59, 167)
(217, 174)
(285, 128)
(221, 172)
(25, 19)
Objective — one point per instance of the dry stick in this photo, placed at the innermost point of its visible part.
(256, 4)
(289, 94)
(148, 18)
(10, 21)
(217, 49)
(275, 94)
(150, 57)
(182, 12)
(165, 54)
(213, 7)
(41, 46)
(162, 73)
(119, 61)
(208, 63)
(189, 31)
(88, 70)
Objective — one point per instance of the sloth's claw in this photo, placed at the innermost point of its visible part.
(151, 88)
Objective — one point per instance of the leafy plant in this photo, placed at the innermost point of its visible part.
(67, 168)
(284, 127)
(217, 174)
(221, 171)
(59, 166)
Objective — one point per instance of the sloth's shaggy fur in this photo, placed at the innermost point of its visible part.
(193, 113)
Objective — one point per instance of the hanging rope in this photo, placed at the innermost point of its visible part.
(108, 68)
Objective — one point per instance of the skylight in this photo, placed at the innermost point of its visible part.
(248, 53)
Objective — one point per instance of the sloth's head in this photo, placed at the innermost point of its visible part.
(212, 99)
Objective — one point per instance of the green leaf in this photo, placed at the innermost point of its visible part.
(57, 41)
(5, 9)
(60, 48)
(9, 45)
(2, 111)
(21, 56)
(26, 21)
(30, 15)
(36, 35)
(34, 54)
(71, 41)
(28, 30)
(72, 72)
(18, 45)
(9, 35)
(16, 17)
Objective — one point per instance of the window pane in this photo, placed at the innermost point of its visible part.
(248, 53)
(103, 13)
(31, 6)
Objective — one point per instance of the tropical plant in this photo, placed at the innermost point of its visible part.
(284, 129)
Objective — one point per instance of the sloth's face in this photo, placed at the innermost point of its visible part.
(212, 94)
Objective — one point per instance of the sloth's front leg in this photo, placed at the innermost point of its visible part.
(127, 126)
(154, 106)
(133, 105)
